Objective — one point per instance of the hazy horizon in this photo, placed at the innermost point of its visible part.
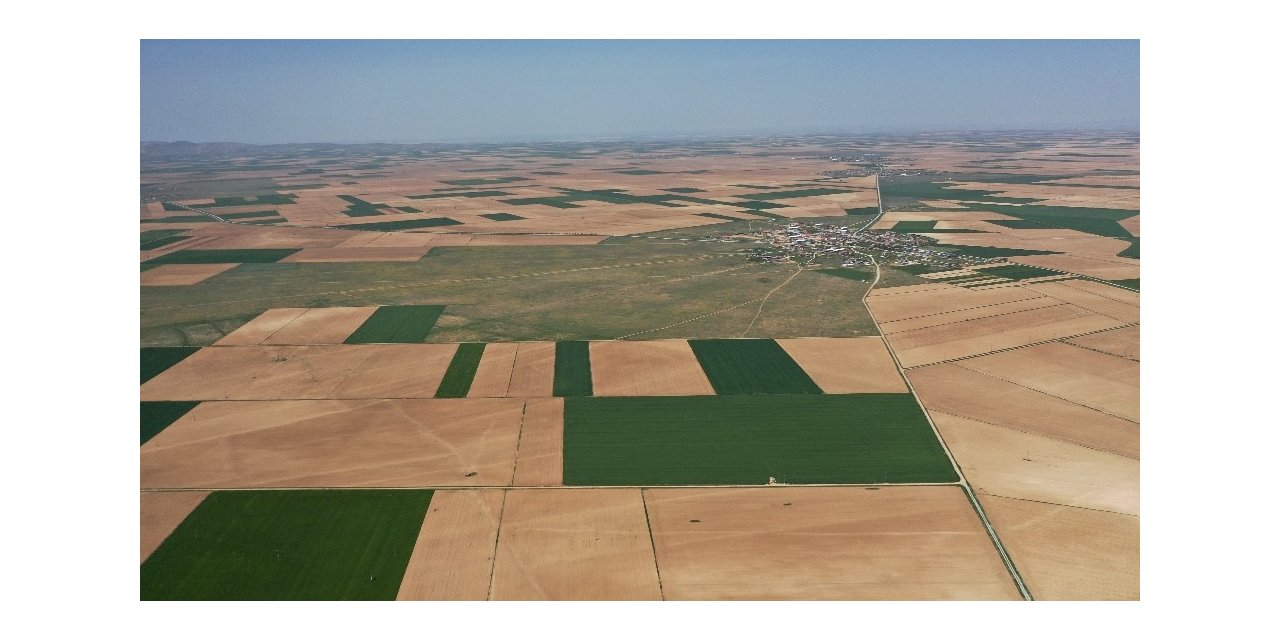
(487, 91)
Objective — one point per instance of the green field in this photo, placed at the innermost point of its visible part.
(1101, 222)
(403, 323)
(155, 360)
(802, 439)
(501, 217)
(684, 190)
(218, 256)
(915, 226)
(717, 216)
(802, 193)
(751, 367)
(401, 225)
(1018, 272)
(462, 371)
(1132, 251)
(271, 213)
(992, 252)
(289, 545)
(863, 211)
(155, 416)
(573, 369)
(156, 238)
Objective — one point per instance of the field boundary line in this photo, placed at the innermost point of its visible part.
(506, 487)
(1102, 352)
(515, 459)
(497, 536)
(652, 544)
(980, 306)
(1059, 504)
(963, 482)
(1038, 435)
(994, 315)
(1079, 404)
(1021, 346)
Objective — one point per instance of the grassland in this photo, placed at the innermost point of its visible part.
(462, 371)
(851, 274)
(218, 256)
(155, 360)
(573, 369)
(651, 288)
(288, 545)
(401, 323)
(751, 367)
(155, 416)
(863, 438)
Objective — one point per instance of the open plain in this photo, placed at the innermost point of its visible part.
(812, 368)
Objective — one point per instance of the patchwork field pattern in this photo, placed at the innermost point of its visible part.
(560, 371)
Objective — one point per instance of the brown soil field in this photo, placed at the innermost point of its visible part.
(909, 289)
(534, 370)
(941, 299)
(337, 443)
(1108, 269)
(244, 236)
(173, 275)
(162, 512)
(952, 389)
(1095, 380)
(824, 543)
(647, 368)
(359, 254)
(1104, 290)
(322, 326)
(494, 240)
(1123, 342)
(846, 365)
(1132, 225)
(453, 557)
(972, 313)
(260, 328)
(575, 544)
(1015, 464)
(1068, 553)
(540, 458)
(341, 371)
(982, 335)
(494, 373)
(1063, 196)
(384, 239)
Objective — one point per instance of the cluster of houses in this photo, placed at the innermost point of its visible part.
(813, 243)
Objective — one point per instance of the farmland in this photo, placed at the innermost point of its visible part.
(563, 371)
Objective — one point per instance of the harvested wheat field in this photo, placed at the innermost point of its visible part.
(1132, 225)
(321, 326)
(534, 370)
(647, 368)
(824, 543)
(540, 459)
(174, 275)
(260, 328)
(1106, 268)
(972, 313)
(340, 371)
(574, 544)
(846, 365)
(993, 333)
(930, 299)
(1001, 461)
(162, 512)
(1123, 342)
(952, 389)
(453, 557)
(1096, 380)
(1093, 300)
(337, 443)
(1068, 553)
(493, 375)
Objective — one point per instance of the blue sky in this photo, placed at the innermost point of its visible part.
(262, 91)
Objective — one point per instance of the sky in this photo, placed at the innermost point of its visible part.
(350, 91)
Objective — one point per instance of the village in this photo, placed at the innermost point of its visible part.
(813, 243)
